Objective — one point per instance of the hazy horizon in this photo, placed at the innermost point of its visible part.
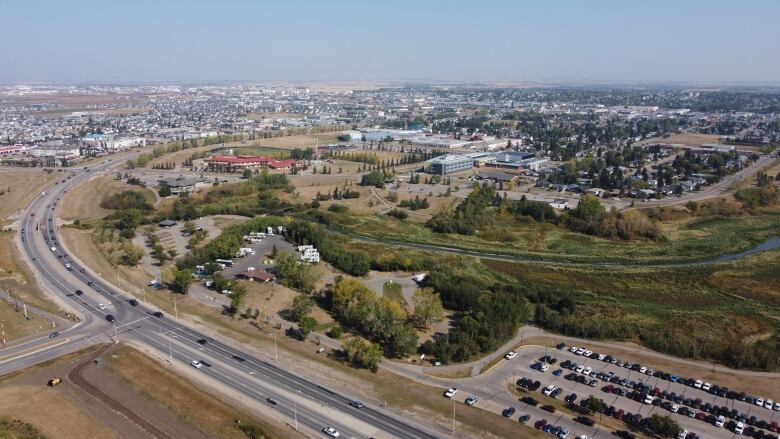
(600, 42)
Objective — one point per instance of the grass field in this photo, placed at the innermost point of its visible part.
(52, 411)
(20, 186)
(392, 290)
(698, 312)
(15, 278)
(689, 238)
(83, 203)
(190, 404)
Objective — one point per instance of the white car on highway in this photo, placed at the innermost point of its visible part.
(510, 355)
(196, 364)
(451, 392)
(101, 306)
(330, 431)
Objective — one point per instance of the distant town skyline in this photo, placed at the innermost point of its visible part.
(695, 41)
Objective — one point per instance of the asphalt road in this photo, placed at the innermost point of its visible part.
(302, 403)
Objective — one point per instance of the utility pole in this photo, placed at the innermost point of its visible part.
(175, 309)
(295, 405)
(276, 352)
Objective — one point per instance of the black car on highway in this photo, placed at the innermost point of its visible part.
(110, 318)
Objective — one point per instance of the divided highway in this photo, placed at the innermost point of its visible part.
(302, 403)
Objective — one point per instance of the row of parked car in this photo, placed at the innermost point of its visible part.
(553, 391)
(696, 383)
(710, 413)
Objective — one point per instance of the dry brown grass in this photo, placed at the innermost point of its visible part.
(53, 411)
(686, 138)
(83, 203)
(197, 407)
(20, 187)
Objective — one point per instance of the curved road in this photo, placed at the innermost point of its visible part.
(303, 403)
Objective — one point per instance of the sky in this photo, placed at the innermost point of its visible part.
(695, 41)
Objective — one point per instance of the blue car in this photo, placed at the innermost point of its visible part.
(674, 378)
(558, 372)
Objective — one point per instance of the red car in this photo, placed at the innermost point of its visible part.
(619, 415)
(540, 424)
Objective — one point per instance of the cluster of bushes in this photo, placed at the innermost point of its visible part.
(538, 210)
(352, 262)
(416, 204)
(469, 216)
(126, 200)
(382, 320)
(361, 353)
(228, 242)
(337, 194)
(301, 276)
(489, 312)
(591, 218)
(398, 214)
(248, 198)
(374, 178)
(164, 166)
(338, 208)
(763, 196)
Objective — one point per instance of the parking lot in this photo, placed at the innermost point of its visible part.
(688, 401)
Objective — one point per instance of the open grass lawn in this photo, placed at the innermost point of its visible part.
(392, 290)
(261, 150)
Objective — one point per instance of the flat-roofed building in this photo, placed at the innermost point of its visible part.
(450, 163)
(183, 185)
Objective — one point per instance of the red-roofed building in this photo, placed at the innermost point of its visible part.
(284, 164)
(240, 163)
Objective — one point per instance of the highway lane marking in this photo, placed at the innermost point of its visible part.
(36, 350)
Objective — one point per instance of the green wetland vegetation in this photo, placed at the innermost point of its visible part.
(726, 312)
